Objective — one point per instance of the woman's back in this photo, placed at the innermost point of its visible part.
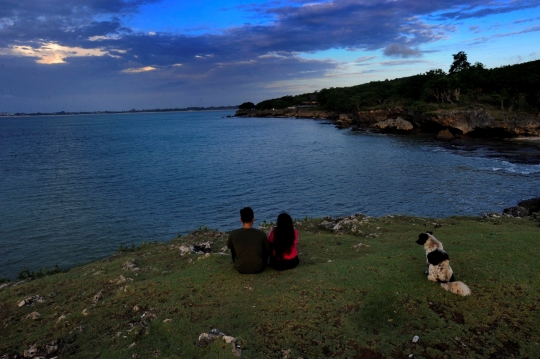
(283, 240)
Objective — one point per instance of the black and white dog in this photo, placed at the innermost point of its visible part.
(438, 263)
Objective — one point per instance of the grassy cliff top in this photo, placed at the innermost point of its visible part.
(344, 300)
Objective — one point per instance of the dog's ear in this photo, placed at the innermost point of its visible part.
(422, 238)
(437, 257)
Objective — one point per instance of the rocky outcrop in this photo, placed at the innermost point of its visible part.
(445, 135)
(215, 334)
(529, 207)
(477, 123)
(344, 121)
(369, 118)
(459, 123)
(394, 125)
(516, 211)
(290, 112)
(345, 224)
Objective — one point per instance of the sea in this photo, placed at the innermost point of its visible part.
(73, 189)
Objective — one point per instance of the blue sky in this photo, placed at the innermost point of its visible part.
(83, 55)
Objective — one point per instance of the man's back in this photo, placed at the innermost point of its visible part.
(249, 248)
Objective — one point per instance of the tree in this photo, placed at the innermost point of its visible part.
(460, 63)
(246, 106)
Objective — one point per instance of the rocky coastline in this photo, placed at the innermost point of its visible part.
(446, 125)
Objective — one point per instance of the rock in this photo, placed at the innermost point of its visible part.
(532, 205)
(214, 334)
(369, 118)
(360, 246)
(5, 285)
(85, 312)
(344, 121)
(236, 350)
(167, 320)
(445, 135)
(397, 124)
(205, 247)
(479, 122)
(33, 316)
(52, 347)
(130, 266)
(494, 215)
(148, 316)
(184, 250)
(97, 297)
(516, 211)
(343, 224)
(31, 352)
(206, 338)
(31, 300)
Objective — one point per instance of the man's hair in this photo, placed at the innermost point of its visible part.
(246, 214)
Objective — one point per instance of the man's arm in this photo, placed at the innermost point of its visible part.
(230, 245)
(266, 248)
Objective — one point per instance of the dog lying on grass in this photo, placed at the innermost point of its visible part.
(438, 263)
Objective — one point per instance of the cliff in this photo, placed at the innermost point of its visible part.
(458, 123)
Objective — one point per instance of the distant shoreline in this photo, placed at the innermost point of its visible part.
(77, 113)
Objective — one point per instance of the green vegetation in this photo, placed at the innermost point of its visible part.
(509, 88)
(343, 300)
(27, 274)
(246, 106)
(135, 248)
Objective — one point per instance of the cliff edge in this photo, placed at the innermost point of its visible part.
(448, 124)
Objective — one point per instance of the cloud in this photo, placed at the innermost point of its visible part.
(91, 43)
(404, 62)
(479, 9)
(51, 53)
(403, 51)
(478, 40)
(364, 59)
(139, 70)
(527, 30)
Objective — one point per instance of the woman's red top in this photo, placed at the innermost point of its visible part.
(294, 250)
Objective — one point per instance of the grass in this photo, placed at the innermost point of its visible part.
(342, 301)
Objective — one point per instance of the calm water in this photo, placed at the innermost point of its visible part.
(72, 189)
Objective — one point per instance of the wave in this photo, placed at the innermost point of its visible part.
(514, 168)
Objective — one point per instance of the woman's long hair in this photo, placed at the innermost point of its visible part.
(283, 235)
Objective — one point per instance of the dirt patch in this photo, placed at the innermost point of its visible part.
(457, 318)
(446, 314)
(509, 350)
(365, 353)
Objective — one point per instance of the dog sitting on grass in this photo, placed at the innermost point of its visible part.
(438, 263)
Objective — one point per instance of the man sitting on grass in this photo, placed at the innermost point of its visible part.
(249, 246)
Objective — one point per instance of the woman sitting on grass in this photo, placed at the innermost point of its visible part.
(283, 240)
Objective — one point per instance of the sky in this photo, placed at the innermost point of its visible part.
(96, 55)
